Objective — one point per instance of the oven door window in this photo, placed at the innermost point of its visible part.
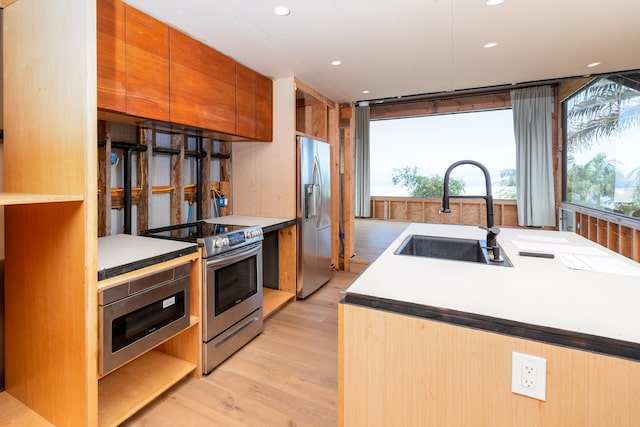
(144, 321)
(235, 283)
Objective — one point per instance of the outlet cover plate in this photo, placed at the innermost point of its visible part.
(529, 375)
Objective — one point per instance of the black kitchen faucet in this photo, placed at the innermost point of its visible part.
(492, 231)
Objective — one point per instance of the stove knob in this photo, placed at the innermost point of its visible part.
(225, 241)
(217, 243)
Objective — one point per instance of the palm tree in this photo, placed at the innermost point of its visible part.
(603, 109)
(603, 178)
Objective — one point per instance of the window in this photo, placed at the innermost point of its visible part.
(409, 156)
(602, 145)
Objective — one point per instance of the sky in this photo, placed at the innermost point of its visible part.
(433, 143)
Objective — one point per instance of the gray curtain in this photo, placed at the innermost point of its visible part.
(532, 110)
(361, 173)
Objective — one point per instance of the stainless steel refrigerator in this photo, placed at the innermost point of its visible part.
(314, 215)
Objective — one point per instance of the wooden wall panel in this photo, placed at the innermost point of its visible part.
(398, 209)
(448, 375)
(440, 105)
(467, 212)
(415, 211)
(264, 174)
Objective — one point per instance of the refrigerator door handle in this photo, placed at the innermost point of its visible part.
(318, 193)
(310, 209)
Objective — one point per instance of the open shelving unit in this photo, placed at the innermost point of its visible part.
(50, 213)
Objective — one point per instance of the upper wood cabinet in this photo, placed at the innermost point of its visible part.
(245, 101)
(147, 69)
(254, 109)
(202, 85)
(264, 108)
(110, 55)
(147, 65)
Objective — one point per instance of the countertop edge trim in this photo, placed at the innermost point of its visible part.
(279, 226)
(547, 335)
(136, 265)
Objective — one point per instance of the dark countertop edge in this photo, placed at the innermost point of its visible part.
(136, 265)
(547, 335)
(279, 225)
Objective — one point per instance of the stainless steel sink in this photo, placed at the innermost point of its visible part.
(456, 249)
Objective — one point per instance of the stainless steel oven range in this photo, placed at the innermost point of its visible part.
(232, 284)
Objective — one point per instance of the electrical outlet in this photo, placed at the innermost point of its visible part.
(529, 375)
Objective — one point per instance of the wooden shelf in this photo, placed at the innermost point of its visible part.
(128, 389)
(273, 299)
(14, 412)
(27, 199)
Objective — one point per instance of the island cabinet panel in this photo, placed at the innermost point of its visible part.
(264, 108)
(147, 65)
(245, 102)
(112, 91)
(402, 370)
(203, 85)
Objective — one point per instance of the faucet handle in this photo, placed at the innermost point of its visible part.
(493, 230)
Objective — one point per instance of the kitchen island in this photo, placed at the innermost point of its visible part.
(427, 341)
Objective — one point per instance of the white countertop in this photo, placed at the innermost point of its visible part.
(261, 221)
(536, 291)
(122, 249)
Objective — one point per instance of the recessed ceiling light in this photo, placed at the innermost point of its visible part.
(593, 64)
(282, 11)
(490, 45)
(336, 62)
(365, 91)
(494, 2)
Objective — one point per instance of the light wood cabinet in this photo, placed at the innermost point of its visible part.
(147, 65)
(404, 370)
(126, 390)
(50, 240)
(202, 85)
(112, 91)
(51, 286)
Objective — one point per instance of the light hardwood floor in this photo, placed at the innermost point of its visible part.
(287, 376)
(372, 237)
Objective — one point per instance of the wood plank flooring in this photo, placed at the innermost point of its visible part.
(373, 236)
(287, 376)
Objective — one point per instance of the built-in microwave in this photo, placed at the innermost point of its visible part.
(137, 315)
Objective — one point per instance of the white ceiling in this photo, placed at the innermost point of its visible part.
(407, 47)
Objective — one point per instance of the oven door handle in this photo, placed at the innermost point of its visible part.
(230, 258)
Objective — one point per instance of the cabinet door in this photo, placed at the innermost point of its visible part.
(147, 66)
(245, 101)
(111, 55)
(202, 85)
(264, 108)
